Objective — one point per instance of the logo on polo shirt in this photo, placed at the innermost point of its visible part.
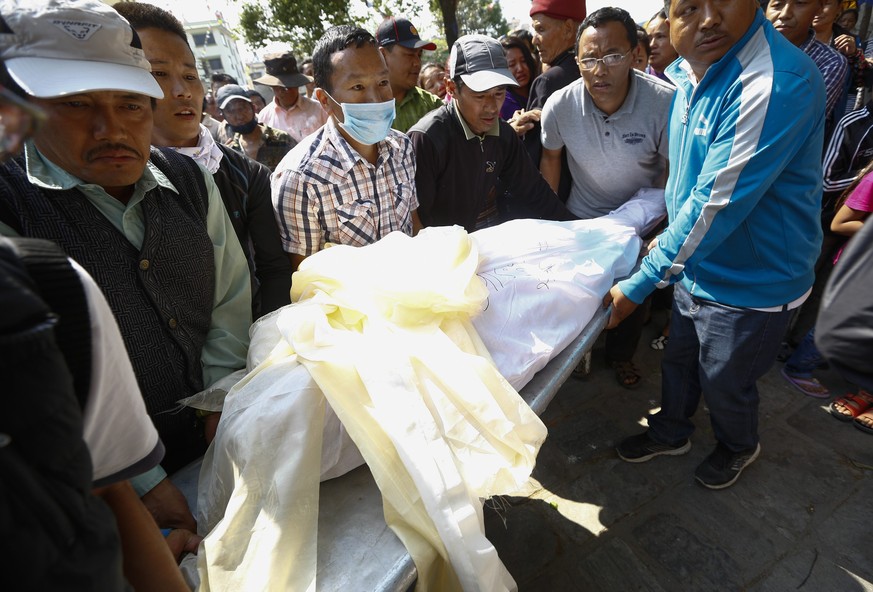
(633, 138)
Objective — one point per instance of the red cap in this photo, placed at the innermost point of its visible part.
(560, 9)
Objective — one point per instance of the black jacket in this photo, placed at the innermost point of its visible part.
(454, 175)
(560, 74)
(244, 185)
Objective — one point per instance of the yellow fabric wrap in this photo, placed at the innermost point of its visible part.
(385, 332)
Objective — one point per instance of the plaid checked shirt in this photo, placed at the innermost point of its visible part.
(325, 192)
(833, 66)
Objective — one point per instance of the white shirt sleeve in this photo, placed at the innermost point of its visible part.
(118, 431)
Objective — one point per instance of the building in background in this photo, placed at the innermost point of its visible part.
(210, 39)
(216, 50)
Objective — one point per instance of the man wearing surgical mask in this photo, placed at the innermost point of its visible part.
(353, 181)
(256, 140)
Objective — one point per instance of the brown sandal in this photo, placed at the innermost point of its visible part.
(853, 403)
(627, 374)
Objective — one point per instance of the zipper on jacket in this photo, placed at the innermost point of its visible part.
(688, 105)
(682, 146)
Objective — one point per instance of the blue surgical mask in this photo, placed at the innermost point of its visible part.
(368, 123)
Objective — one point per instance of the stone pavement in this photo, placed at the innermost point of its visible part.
(799, 518)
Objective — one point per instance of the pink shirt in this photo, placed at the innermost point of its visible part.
(301, 119)
(861, 198)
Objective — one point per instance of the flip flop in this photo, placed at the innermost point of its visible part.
(809, 386)
(659, 343)
(864, 428)
(855, 403)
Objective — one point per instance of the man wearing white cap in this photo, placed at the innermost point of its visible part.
(464, 150)
(243, 183)
(148, 225)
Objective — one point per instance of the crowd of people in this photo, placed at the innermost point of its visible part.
(191, 209)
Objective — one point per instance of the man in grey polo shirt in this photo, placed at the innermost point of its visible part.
(613, 125)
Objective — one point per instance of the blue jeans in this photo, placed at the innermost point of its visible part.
(718, 351)
(805, 358)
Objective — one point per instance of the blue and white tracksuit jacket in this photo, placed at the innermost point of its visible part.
(745, 185)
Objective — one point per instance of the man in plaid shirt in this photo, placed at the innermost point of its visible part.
(353, 181)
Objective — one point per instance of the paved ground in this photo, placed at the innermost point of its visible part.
(799, 518)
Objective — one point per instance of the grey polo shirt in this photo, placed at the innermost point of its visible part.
(610, 157)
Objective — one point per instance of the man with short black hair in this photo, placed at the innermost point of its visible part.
(401, 47)
(244, 184)
(353, 181)
(739, 160)
(611, 126)
(662, 51)
(289, 111)
(465, 151)
(217, 80)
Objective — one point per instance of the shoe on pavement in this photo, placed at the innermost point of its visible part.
(723, 467)
(640, 448)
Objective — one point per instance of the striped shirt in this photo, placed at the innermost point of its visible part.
(324, 191)
(833, 67)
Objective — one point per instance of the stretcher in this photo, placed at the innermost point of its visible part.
(356, 549)
(534, 272)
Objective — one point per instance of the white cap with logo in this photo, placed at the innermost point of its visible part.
(53, 48)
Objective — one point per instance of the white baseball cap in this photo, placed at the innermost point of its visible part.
(53, 48)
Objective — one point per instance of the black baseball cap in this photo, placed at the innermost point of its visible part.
(402, 32)
(480, 62)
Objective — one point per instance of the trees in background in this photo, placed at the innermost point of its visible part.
(302, 22)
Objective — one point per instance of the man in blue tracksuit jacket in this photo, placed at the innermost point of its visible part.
(743, 198)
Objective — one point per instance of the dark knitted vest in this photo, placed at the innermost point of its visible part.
(161, 295)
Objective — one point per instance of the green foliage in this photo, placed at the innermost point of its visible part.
(298, 22)
(302, 22)
(481, 16)
(410, 9)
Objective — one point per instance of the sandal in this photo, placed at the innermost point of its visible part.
(853, 403)
(809, 386)
(627, 374)
(868, 415)
(659, 342)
